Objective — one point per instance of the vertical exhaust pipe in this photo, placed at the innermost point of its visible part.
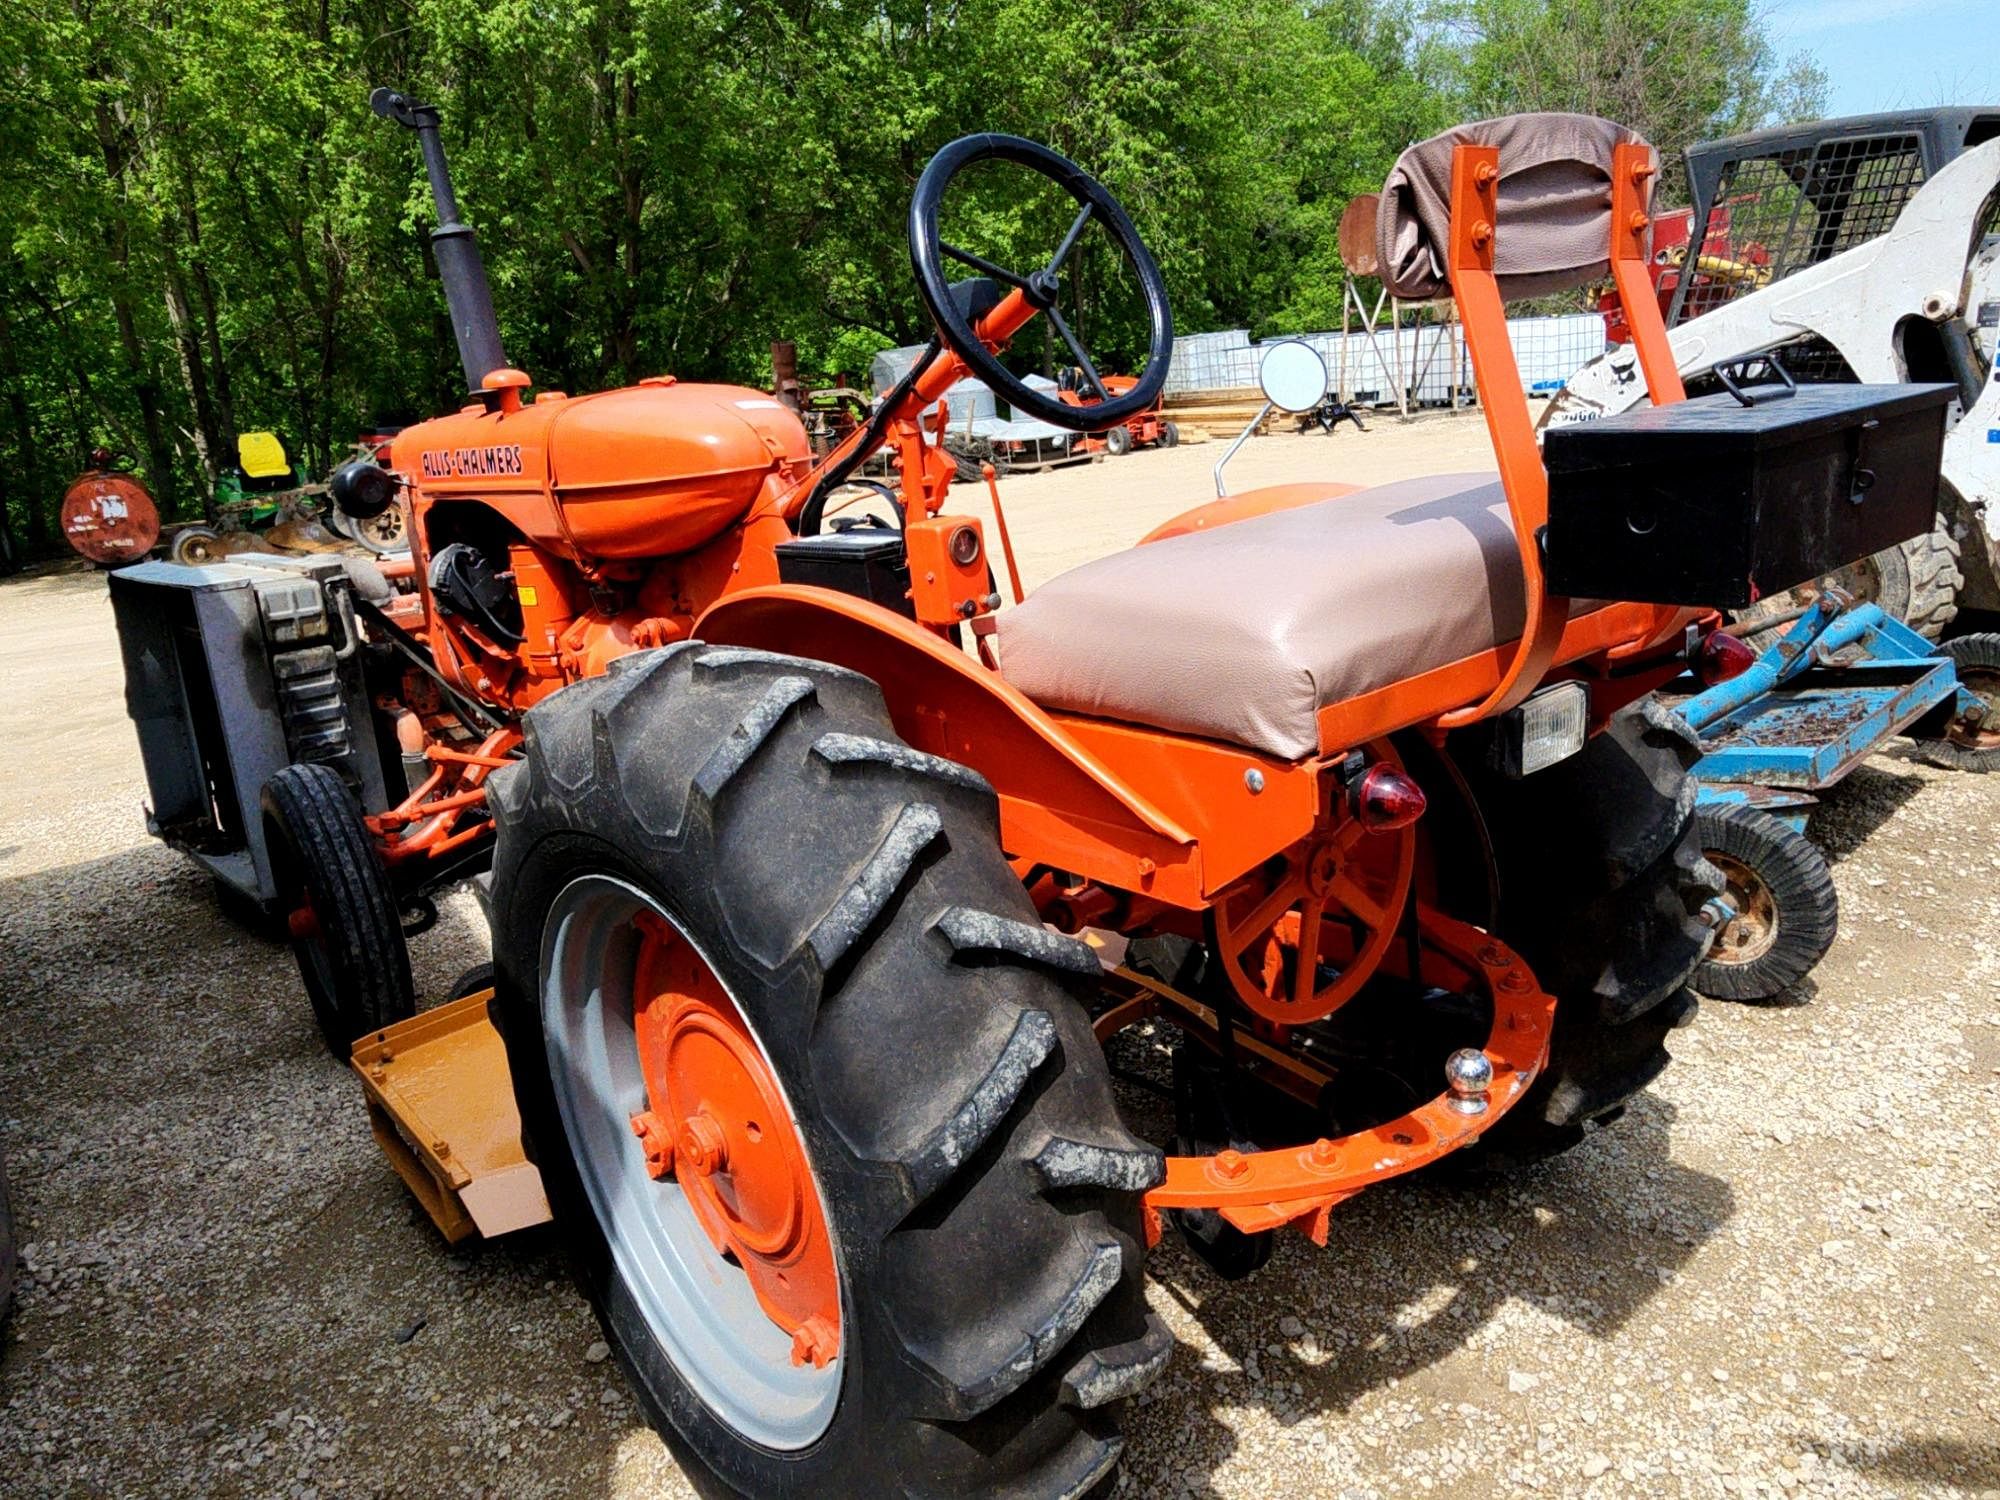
(452, 242)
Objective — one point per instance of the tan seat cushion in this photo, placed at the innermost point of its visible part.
(1243, 633)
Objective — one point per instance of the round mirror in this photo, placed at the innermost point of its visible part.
(1293, 376)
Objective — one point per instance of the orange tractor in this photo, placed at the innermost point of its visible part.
(1086, 390)
(828, 898)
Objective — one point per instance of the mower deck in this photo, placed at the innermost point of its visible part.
(1802, 717)
(441, 1104)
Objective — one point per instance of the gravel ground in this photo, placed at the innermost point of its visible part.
(1779, 1273)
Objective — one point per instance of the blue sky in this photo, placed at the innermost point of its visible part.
(1895, 54)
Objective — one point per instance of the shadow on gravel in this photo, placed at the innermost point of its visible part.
(1936, 1460)
(1870, 796)
(226, 1289)
(1416, 1267)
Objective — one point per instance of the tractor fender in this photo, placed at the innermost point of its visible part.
(1243, 507)
(1057, 800)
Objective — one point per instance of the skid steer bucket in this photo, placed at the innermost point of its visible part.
(441, 1104)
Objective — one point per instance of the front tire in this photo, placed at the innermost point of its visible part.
(1787, 910)
(340, 913)
(849, 896)
(1118, 441)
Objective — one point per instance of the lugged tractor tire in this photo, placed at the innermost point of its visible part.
(1601, 881)
(1925, 595)
(343, 920)
(850, 895)
(1787, 910)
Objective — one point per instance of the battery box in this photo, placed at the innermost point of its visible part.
(869, 562)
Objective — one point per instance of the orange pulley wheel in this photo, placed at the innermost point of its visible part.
(1333, 900)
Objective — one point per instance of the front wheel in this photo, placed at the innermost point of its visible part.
(1118, 441)
(339, 910)
(832, 1146)
(1786, 909)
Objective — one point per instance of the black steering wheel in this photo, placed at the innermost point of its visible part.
(955, 314)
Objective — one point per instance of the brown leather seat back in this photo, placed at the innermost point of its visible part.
(1555, 205)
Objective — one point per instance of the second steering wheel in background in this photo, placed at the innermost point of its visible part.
(955, 324)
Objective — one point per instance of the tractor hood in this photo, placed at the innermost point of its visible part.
(647, 471)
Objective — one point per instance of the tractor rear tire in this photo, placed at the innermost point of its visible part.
(1601, 881)
(850, 897)
(1977, 660)
(1787, 910)
(342, 916)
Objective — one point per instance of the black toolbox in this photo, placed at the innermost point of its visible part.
(1723, 499)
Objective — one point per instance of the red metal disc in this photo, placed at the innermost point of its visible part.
(109, 518)
(734, 1148)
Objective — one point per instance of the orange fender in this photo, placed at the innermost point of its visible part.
(1243, 507)
(1060, 804)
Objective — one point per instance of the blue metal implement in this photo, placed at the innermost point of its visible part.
(1837, 685)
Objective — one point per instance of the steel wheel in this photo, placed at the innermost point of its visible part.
(1748, 935)
(692, 1161)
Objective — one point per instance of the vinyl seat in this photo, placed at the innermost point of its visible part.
(1243, 633)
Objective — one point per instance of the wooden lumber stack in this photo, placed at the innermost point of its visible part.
(1216, 413)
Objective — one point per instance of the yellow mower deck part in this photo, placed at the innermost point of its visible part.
(441, 1104)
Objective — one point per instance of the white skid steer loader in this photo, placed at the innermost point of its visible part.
(1863, 249)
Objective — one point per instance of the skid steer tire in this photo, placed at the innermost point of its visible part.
(1786, 908)
(1601, 881)
(1916, 582)
(850, 895)
(343, 920)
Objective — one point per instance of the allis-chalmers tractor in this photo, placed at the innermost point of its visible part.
(826, 895)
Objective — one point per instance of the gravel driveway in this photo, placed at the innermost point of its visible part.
(1780, 1273)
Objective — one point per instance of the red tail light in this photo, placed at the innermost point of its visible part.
(1385, 798)
(1721, 656)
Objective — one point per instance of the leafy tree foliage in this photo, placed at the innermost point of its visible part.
(205, 231)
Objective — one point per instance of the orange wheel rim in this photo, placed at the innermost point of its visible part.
(719, 1123)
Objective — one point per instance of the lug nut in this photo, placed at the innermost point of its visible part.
(657, 1141)
(815, 1340)
(702, 1144)
(1468, 1073)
